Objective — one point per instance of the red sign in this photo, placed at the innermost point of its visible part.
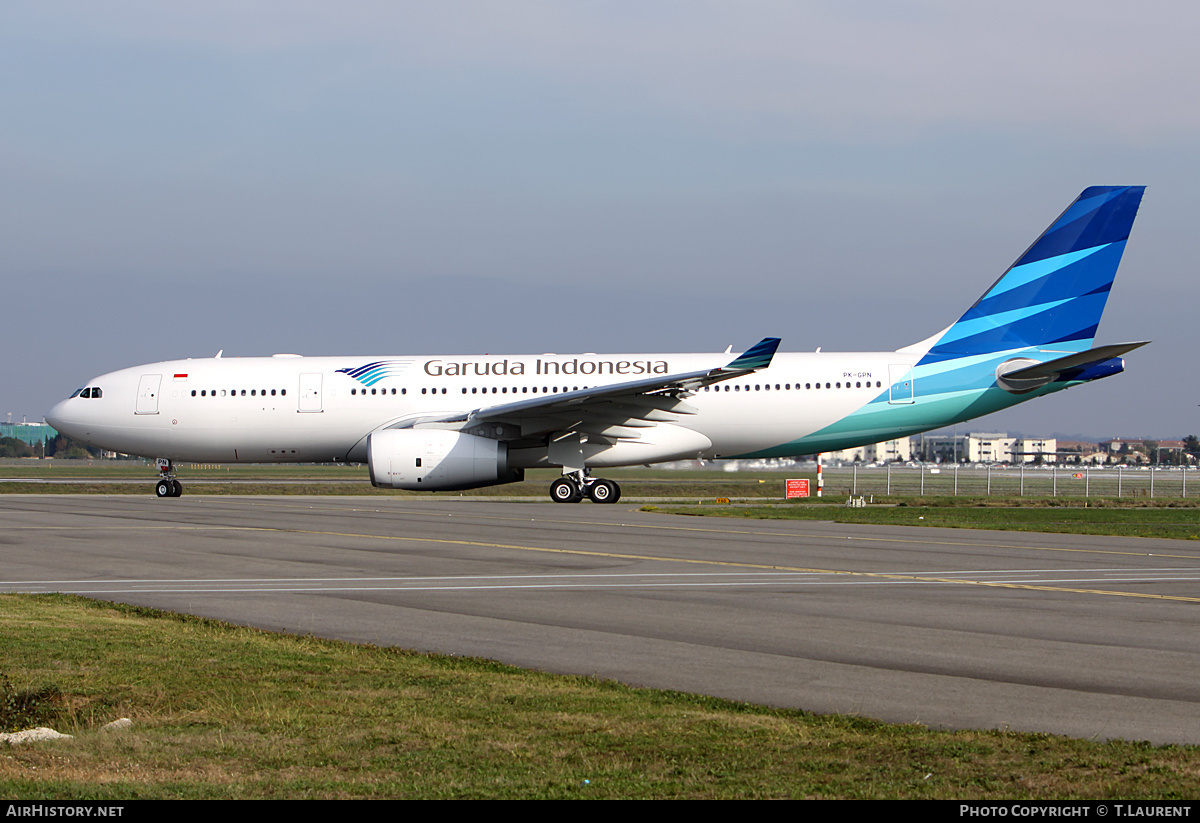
(796, 488)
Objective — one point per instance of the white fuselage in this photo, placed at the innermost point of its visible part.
(289, 408)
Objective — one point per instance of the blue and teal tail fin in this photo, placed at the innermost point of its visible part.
(1054, 294)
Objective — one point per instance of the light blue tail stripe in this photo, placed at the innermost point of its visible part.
(993, 322)
(1020, 275)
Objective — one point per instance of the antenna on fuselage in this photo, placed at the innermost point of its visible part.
(218, 357)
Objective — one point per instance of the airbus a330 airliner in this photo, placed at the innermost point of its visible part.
(455, 422)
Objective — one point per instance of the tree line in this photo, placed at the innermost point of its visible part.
(59, 446)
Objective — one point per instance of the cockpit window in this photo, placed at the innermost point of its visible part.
(86, 393)
(96, 391)
(75, 393)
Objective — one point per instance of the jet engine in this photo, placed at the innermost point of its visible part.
(437, 460)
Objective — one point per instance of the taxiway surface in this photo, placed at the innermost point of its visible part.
(1086, 636)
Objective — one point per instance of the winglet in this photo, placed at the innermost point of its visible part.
(757, 356)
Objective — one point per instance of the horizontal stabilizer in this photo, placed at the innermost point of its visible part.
(1073, 361)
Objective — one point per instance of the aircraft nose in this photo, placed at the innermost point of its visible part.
(59, 418)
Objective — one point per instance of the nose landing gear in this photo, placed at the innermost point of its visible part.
(168, 486)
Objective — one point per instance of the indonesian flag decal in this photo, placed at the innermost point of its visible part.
(180, 377)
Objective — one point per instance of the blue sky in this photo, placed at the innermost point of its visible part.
(455, 177)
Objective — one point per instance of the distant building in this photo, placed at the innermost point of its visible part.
(987, 447)
(990, 448)
(31, 433)
(1034, 450)
(1169, 445)
(888, 451)
(1130, 450)
(977, 447)
(1080, 451)
(943, 448)
(1120, 444)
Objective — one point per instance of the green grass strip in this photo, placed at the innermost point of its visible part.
(226, 712)
(1172, 519)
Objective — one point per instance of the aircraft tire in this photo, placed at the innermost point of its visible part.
(604, 491)
(176, 488)
(163, 488)
(563, 490)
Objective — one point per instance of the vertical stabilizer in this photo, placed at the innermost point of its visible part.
(1054, 294)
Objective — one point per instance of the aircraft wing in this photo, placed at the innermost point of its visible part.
(611, 410)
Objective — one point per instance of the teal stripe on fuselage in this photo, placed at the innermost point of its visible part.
(879, 420)
(944, 393)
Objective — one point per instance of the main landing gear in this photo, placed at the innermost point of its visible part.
(168, 486)
(571, 488)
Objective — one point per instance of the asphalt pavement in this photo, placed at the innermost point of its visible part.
(1086, 636)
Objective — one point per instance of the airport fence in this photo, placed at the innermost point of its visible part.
(1020, 481)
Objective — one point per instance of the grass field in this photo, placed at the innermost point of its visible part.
(227, 712)
(1130, 518)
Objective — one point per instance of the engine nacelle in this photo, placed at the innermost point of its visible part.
(437, 460)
